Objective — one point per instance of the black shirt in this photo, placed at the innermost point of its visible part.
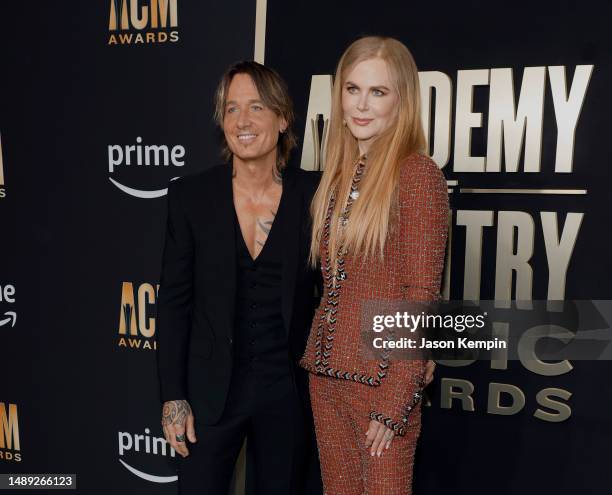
(260, 338)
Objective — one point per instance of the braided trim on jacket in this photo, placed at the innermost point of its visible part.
(399, 427)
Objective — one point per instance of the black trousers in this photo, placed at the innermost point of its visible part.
(268, 413)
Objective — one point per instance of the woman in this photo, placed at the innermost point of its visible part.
(379, 231)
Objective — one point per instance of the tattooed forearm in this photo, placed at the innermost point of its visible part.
(175, 412)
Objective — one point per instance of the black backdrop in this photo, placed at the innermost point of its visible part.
(84, 256)
(476, 452)
(73, 239)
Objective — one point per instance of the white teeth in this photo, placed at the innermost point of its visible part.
(245, 137)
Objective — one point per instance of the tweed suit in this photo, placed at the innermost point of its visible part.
(348, 389)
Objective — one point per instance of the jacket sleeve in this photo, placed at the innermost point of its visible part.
(423, 223)
(175, 298)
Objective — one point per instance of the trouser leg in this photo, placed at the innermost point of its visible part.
(277, 440)
(208, 468)
(341, 411)
(336, 438)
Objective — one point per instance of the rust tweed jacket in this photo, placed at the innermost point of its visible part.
(411, 270)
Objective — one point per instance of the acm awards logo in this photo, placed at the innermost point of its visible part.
(2, 189)
(551, 404)
(139, 158)
(133, 22)
(135, 446)
(136, 325)
(7, 295)
(9, 433)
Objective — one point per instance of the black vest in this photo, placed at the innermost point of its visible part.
(260, 339)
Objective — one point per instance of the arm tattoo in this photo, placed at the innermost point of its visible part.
(175, 412)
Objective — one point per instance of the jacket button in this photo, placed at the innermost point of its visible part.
(230, 340)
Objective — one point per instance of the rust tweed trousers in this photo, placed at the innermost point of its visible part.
(341, 413)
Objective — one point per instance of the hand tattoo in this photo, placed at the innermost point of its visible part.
(175, 412)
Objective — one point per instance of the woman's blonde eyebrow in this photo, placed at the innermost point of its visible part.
(347, 83)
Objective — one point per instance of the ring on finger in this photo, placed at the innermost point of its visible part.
(180, 438)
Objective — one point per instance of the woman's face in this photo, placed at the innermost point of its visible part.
(251, 129)
(369, 101)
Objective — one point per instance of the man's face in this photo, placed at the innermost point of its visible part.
(251, 129)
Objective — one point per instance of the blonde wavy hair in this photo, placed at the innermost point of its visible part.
(371, 214)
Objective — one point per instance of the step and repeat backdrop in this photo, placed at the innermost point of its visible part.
(104, 102)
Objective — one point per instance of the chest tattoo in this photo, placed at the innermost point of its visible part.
(264, 225)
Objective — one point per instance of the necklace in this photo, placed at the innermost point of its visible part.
(354, 193)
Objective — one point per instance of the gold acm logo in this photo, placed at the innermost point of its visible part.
(2, 189)
(9, 433)
(137, 22)
(136, 316)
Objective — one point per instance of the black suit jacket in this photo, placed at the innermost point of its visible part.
(195, 305)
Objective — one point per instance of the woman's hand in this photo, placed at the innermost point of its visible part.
(176, 418)
(430, 367)
(378, 438)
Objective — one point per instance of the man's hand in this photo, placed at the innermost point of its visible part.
(176, 419)
(430, 367)
(378, 438)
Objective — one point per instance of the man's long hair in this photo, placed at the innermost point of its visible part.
(274, 94)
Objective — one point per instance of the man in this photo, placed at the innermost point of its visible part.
(236, 300)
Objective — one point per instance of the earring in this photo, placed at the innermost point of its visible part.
(344, 122)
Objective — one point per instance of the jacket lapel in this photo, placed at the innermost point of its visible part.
(221, 258)
(291, 227)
